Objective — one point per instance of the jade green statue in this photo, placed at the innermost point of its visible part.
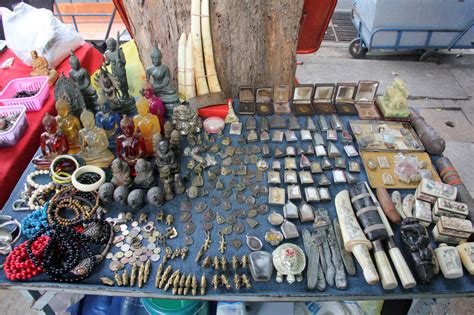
(159, 77)
(394, 103)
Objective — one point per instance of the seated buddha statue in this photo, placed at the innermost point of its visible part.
(69, 125)
(109, 121)
(159, 77)
(156, 104)
(82, 79)
(130, 145)
(52, 142)
(165, 157)
(94, 142)
(147, 123)
(41, 68)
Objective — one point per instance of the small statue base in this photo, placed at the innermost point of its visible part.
(52, 76)
(127, 106)
(390, 114)
(170, 108)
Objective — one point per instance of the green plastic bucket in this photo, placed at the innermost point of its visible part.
(169, 307)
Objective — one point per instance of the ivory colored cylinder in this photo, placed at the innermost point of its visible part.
(449, 261)
(466, 252)
(189, 70)
(362, 255)
(181, 67)
(403, 271)
(198, 58)
(387, 277)
(211, 74)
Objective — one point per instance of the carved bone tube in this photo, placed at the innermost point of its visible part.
(211, 73)
(181, 67)
(199, 71)
(367, 213)
(189, 73)
(354, 239)
(403, 271)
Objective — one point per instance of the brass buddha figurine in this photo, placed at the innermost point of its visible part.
(69, 124)
(82, 79)
(52, 142)
(130, 145)
(41, 68)
(159, 77)
(94, 142)
(164, 156)
(148, 124)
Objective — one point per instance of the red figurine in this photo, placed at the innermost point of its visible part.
(52, 142)
(157, 107)
(130, 145)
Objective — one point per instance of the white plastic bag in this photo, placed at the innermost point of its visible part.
(27, 28)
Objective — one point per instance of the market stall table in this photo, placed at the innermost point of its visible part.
(14, 159)
(357, 288)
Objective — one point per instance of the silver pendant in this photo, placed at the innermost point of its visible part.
(291, 177)
(318, 139)
(320, 150)
(333, 151)
(273, 237)
(338, 176)
(306, 177)
(289, 230)
(289, 260)
(306, 212)
(324, 180)
(306, 135)
(290, 163)
(290, 151)
(311, 194)
(290, 210)
(275, 218)
(260, 265)
(290, 136)
(323, 124)
(294, 192)
(310, 124)
(340, 163)
(305, 163)
(324, 193)
(316, 167)
(326, 164)
(276, 196)
(293, 123)
(274, 177)
(253, 242)
(277, 136)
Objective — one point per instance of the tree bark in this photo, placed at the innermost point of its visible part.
(254, 41)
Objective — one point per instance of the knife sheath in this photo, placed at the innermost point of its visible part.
(367, 212)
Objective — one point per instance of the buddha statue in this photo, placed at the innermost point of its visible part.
(164, 156)
(145, 178)
(69, 125)
(159, 77)
(394, 103)
(41, 68)
(156, 104)
(82, 79)
(147, 123)
(94, 142)
(52, 142)
(109, 121)
(130, 145)
(120, 173)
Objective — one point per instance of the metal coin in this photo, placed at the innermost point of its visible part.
(128, 253)
(124, 260)
(157, 250)
(215, 201)
(209, 215)
(252, 213)
(150, 246)
(143, 258)
(119, 244)
(220, 219)
(123, 227)
(200, 207)
(114, 258)
(240, 197)
(152, 239)
(231, 219)
(125, 247)
(116, 228)
(241, 214)
(138, 251)
(119, 255)
(226, 205)
(188, 240)
(109, 256)
(146, 235)
(139, 263)
(155, 257)
(149, 253)
(134, 232)
(238, 227)
(184, 217)
(118, 238)
(125, 233)
(236, 243)
(189, 228)
(155, 234)
(227, 230)
(263, 209)
(132, 260)
(134, 223)
(115, 265)
(186, 205)
(207, 226)
(250, 201)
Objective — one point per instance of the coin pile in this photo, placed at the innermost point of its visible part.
(135, 245)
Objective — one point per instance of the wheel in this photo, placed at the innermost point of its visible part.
(357, 50)
(430, 56)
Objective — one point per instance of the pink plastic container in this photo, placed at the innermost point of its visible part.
(12, 135)
(33, 103)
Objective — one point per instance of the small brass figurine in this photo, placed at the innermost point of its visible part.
(203, 284)
(194, 285)
(133, 275)
(41, 68)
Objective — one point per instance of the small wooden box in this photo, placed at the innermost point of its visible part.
(264, 101)
(450, 208)
(302, 99)
(365, 100)
(455, 227)
(430, 190)
(344, 99)
(323, 99)
(246, 100)
(281, 99)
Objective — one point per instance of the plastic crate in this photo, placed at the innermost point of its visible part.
(33, 103)
(12, 135)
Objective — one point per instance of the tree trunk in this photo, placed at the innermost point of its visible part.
(254, 40)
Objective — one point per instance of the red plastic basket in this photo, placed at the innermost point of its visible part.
(33, 103)
(12, 135)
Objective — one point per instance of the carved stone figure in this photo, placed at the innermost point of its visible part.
(144, 178)
(167, 180)
(136, 199)
(120, 173)
(394, 102)
(81, 77)
(106, 192)
(130, 145)
(147, 123)
(41, 67)
(157, 138)
(164, 156)
(159, 77)
(94, 142)
(108, 89)
(417, 240)
(67, 90)
(179, 187)
(186, 120)
(121, 194)
(69, 125)
(155, 196)
(52, 143)
(175, 141)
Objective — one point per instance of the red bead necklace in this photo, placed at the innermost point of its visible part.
(19, 266)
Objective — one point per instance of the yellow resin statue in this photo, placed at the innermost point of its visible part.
(41, 67)
(148, 124)
(94, 142)
(69, 124)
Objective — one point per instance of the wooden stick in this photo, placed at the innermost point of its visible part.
(181, 67)
(199, 71)
(189, 70)
(211, 73)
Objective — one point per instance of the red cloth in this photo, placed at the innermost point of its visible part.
(13, 160)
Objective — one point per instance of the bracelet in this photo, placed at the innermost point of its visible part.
(88, 186)
(32, 183)
(40, 196)
(60, 175)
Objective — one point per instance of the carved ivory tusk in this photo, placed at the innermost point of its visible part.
(181, 67)
(189, 71)
(211, 73)
(199, 71)
(354, 239)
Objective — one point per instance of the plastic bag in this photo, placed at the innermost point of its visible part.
(27, 28)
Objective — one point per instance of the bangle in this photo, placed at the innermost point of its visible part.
(89, 186)
(59, 173)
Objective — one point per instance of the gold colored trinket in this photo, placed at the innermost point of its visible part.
(125, 278)
(204, 247)
(215, 281)
(133, 276)
(225, 281)
(203, 284)
(147, 271)
(143, 218)
(169, 219)
(159, 273)
(244, 261)
(141, 275)
(118, 279)
(223, 263)
(237, 282)
(194, 285)
(222, 243)
(215, 263)
(171, 232)
(165, 276)
(182, 283)
(171, 279)
(184, 252)
(160, 216)
(176, 280)
(206, 263)
(235, 262)
(246, 281)
(187, 284)
(107, 281)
